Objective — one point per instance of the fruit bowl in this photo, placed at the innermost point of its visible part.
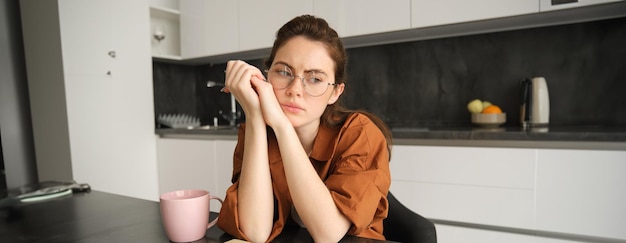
(488, 120)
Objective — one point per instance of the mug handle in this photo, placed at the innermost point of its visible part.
(215, 220)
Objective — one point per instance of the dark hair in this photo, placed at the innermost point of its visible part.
(317, 29)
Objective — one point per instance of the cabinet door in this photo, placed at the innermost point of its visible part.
(357, 17)
(132, 100)
(208, 27)
(582, 192)
(439, 12)
(492, 186)
(186, 164)
(223, 165)
(110, 117)
(87, 35)
(192, 163)
(259, 20)
(90, 121)
(548, 5)
(456, 234)
(167, 23)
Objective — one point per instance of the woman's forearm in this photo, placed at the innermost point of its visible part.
(256, 203)
(311, 197)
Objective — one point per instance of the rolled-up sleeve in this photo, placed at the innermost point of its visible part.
(352, 161)
(360, 180)
(228, 219)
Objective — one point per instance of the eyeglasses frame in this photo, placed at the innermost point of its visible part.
(293, 77)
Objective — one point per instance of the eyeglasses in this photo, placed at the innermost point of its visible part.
(314, 83)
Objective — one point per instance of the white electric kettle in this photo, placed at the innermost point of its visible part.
(535, 107)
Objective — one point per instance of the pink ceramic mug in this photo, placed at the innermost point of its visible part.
(185, 214)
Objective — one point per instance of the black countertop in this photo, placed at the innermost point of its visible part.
(551, 133)
(589, 137)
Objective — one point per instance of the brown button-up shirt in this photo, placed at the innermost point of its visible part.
(353, 162)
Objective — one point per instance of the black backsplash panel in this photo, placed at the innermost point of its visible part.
(430, 82)
(174, 89)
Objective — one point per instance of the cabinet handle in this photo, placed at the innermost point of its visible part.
(112, 54)
(557, 2)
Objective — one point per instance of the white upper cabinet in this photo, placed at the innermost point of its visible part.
(87, 54)
(213, 27)
(355, 17)
(259, 20)
(427, 13)
(548, 5)
(165, 32)
(209, 28)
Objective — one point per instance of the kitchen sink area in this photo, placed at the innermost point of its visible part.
(217, 128)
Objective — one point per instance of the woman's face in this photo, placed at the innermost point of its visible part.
(302, 56)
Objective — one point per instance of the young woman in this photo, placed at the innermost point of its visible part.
(302, 158)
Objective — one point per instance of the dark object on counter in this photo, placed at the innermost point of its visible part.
(524, 113)
(404, 225)
(41, 192)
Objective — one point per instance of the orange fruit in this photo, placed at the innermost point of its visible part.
(492, 109)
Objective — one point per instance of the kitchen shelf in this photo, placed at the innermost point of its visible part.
(165, 57)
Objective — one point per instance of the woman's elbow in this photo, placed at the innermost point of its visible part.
(258, 239)
(334, 234)
(257, 234)
(328, 237)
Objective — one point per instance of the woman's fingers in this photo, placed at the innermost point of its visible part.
(239, 75)
(270, 107)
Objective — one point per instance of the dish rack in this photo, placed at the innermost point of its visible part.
(178, 120)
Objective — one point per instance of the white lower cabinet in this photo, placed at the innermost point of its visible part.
(450, 234)
(484, 194)
(224, 165)
(481, 194)
(490, 186)
(582, 192)
(195, 164)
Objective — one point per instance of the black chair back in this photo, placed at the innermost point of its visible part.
(404, 225)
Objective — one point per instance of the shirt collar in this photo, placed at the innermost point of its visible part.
(325, 143)
(323, 146)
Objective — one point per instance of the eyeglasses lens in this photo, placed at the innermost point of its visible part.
(281, 76)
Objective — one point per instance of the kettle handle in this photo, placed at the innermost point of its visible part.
(525, 101)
